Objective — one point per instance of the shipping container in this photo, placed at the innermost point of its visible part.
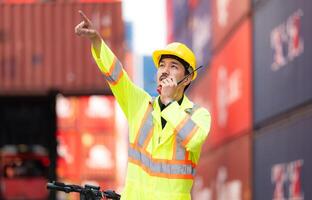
(225, 89)
(227, 15)
(191, 25)
(87, 146)
(28, 120)
(67, 112)
(59, 1)
(282, 158)
(39, 50)
(282, 61)
(69, 155)
(22, 165)
(27, 146)
(98, 158)
(85, 112)
(129, 50)
(180, 19)
(96, 112)
(200, 27)
(225, 173)
(149, 76)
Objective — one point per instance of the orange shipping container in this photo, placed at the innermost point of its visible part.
(67, 112)
(96, 112)
(226, 89)
(39, 51)
(69, 156)
(98, 155)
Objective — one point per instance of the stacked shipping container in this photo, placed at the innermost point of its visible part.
(87, 140)
(39, 51)
(272, 109)
(282, 78)
(282, 100)
(40, 56)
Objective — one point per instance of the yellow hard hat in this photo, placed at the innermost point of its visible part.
(177, 49)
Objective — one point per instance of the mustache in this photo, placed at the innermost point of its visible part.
(163, 76)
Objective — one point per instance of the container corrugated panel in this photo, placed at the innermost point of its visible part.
(149, 75)
(226, 16)
(96, 112)
(98, 155)
(180, 14)
(225, 89)
(40, 51)
(282, 53)
(282, 158)
(225, 173)
(200, 23)
(69, 154)
(86, 134)
(191, 21)
(85, 112)
(59, 1)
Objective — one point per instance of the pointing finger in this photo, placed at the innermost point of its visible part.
(84, 17)
(79, 27)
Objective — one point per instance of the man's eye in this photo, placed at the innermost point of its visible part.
(174, 66)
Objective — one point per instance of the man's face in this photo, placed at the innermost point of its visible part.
(170, 67)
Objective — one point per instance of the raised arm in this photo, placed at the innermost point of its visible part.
(128, 95)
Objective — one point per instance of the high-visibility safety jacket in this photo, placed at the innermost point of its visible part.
(161, 162)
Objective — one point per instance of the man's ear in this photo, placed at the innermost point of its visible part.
(188, 80)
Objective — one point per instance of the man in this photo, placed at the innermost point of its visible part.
(165, 133)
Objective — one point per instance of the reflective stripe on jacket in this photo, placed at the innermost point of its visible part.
(161, 162)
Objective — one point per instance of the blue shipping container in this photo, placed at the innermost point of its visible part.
(282, 160)
(192, 26)
(282, 57)
(149, 76)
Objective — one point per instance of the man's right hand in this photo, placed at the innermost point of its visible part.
(86, 29)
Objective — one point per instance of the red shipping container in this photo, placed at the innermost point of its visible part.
(97, 152)
(226, 89)
(226, 16)
(225, 173)
(96, 112)
(19, 188)
(67, 112)
(40, 52)
(69, 156)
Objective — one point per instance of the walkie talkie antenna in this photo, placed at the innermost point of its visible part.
(189, 74)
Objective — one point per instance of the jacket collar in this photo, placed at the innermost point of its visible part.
(186, 103)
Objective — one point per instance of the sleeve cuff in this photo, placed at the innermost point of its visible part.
(104, 59)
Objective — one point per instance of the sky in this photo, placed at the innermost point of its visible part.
(149, 24)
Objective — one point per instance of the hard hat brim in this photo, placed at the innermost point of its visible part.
(158, 53)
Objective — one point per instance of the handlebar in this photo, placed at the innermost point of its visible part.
(88, 192)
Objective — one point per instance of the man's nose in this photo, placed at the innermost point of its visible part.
(166, 69)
